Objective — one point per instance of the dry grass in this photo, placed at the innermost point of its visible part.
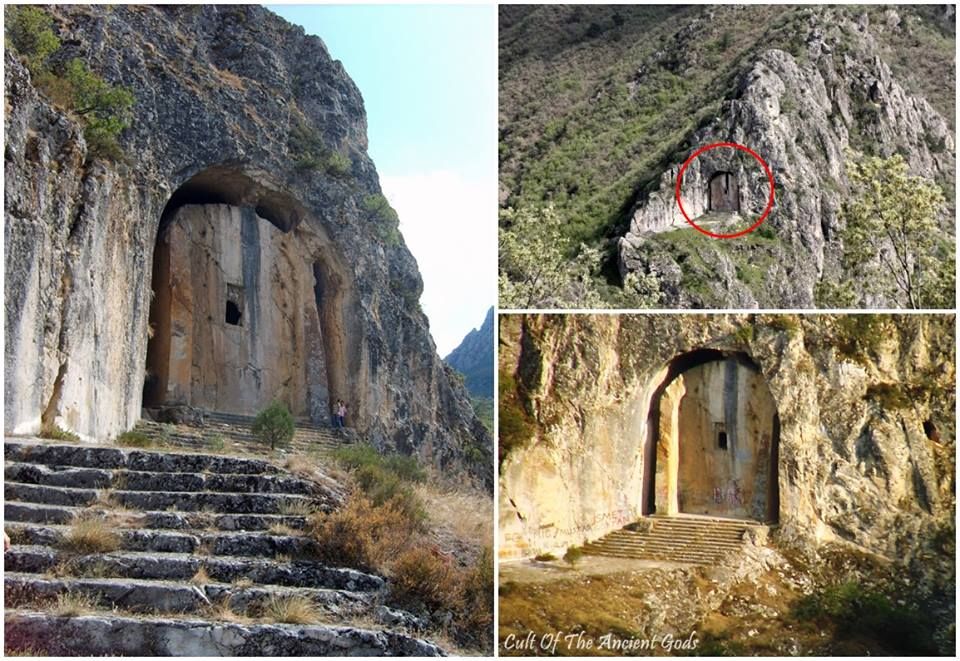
(204, 548)
(242, 582)
(223, 611)
(90, 535)
(361, 534)
(17, 534)
(72, 604)
(201, 577)
(106, 499)
(283, 558)
(283, 530)
(461, 519)
(292, 609)
(292, 507)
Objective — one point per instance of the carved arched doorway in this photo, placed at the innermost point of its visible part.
(242, 314)
(712, 446)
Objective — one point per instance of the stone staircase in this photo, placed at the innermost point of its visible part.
(135, 552)
(228, 432)
(688, 539)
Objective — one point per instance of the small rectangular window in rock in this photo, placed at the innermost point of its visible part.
(234, 308)
(721, 433)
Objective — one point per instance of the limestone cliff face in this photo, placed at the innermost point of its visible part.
(864, 426)
(222, 94)
(800, 113)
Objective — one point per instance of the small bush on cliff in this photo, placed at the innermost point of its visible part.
(274, 425)
(29, 31)
(338, 164)
(106, 109)
(387, 222)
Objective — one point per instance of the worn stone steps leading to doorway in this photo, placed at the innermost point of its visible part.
(684, 539)
(207, 559)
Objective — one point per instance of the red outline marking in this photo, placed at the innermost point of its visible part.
(715, 145)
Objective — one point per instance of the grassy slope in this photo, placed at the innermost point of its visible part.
(572, 132)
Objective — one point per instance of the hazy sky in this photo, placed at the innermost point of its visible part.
(429, 82)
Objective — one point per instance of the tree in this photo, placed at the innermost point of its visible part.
(894, 246)
(30, 31)
(274, 425)
(534, 268)
(105, 108)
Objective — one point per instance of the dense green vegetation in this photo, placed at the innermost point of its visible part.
(596, 102)
(893, 245)
(854, 610)
(105, 110)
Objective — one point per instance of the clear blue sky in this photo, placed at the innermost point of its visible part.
(428, 76)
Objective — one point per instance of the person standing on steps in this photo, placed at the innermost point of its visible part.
(341, 413)
(335, 415)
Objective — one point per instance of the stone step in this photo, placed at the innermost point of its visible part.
(692, 550)
(677, 541)
(185, 501)
(102, 478)
(63, 514)
(114, 635)
(657, 543)
(146, 596)
(99, 456)
(167, 541)
(664, 557)
(182, 567)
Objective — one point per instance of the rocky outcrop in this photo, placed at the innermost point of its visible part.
(230, 101)
(865, 409)
(801, 113)
(473, 358)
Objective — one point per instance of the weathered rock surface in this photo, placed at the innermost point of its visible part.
(800, 114)
(93, 635)
(866, 436)
(222, 94)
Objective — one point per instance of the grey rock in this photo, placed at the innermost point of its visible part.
(95, 635)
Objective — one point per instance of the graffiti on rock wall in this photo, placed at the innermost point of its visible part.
(730, 495)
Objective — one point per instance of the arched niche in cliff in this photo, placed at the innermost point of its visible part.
(723, 193)
(712, 442)
(246, 307)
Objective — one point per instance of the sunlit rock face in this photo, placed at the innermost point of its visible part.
(818, 439)
(725, 443)
(235, 319)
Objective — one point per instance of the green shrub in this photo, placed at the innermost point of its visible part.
(859, 611)
(339, 164)
(573, 555)
(274, 425)
(386, 478)
(216, 443)
(106, 109)
(29, 31)
(133, 439)
(545, 557)
(306, 147)
(387, 222)
(56, 433)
